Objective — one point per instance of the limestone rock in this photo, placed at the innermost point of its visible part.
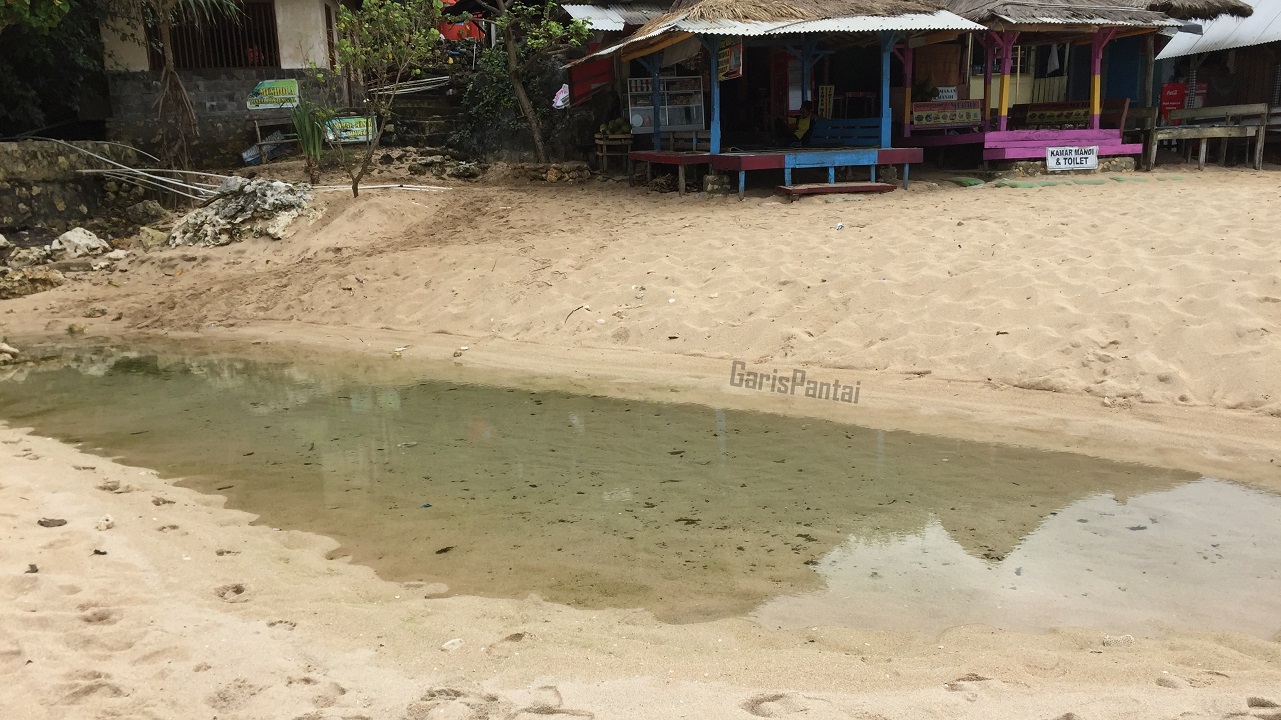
(26, 257)
(78, 242)
(147, 212)
(151, 238)
(19, 283)
(243, 207)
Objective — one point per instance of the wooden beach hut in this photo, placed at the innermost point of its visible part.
(809, 30)
(1072, 131)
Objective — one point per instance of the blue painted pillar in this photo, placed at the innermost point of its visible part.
(654, 63)
(713, 47)
(888, 39)
(807, 65)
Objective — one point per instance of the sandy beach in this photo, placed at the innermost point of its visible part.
(1130, 321)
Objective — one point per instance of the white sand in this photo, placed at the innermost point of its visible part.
(1142, 323)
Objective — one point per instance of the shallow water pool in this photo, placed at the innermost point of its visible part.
(691, 512)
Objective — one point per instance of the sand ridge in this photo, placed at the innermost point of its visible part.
(1120, 292)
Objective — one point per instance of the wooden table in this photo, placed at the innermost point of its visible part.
(680, 159)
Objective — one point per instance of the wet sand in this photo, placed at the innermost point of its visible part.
(194, 612)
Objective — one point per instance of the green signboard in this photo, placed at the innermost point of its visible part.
(349, 129)
(273, 95)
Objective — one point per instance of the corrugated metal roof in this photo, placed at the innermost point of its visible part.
(1087, 20)
(1225, 33)
(615, 17)
(941, 20)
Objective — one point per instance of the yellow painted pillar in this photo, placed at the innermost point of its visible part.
(1007, 52)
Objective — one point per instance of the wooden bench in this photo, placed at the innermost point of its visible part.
(858, 132)
(839, 187)
(1222, 122)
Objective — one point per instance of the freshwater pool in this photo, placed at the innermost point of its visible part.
(691, 512)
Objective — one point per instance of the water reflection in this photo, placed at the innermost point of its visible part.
(688, 511)
(1171, 557)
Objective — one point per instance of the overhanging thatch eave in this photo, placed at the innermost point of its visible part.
(1061, 12)
(1202, 9)
(774, 11)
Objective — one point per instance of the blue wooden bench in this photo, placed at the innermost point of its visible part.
(859, 132)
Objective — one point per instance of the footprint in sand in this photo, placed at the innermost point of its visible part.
(233, 695)
(234, 593)
(99, 615)
(507, 646)
(11, 655)
(542, 702)
(88, 686)
(774, 705)
(454, 704)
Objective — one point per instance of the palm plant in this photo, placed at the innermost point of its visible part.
(309, 124)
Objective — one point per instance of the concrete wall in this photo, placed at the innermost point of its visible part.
(300, 29)
(225, 124)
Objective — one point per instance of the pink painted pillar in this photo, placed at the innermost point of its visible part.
(1007, 57)
(1096, 76)
(989, 57)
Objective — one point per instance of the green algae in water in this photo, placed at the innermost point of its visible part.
(691, 512)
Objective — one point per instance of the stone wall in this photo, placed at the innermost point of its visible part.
(41, 190)
(1032, 168)
(225, 124)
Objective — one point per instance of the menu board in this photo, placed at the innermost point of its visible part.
(940, 114)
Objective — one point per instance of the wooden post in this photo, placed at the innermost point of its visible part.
(888, 39)
(1101, 38)
(713, 47)
(653, 63)
(989, 57)
(807, 67)
(1007, 56)
(1148, 69)
(907, 90)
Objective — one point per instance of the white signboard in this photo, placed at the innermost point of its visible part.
(946, 94)
(1072, 158)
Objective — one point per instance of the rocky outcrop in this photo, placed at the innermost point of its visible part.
(243, 208)
(15, 283)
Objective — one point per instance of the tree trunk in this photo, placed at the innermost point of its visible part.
(522, 98)
(174, 107)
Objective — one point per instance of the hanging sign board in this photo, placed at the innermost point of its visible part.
(945, 94)
(729, 63)
(273, 95)
(1072, 158)
(349, 130)
(826, 95)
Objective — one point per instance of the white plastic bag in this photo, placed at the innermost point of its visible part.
(561, 99)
